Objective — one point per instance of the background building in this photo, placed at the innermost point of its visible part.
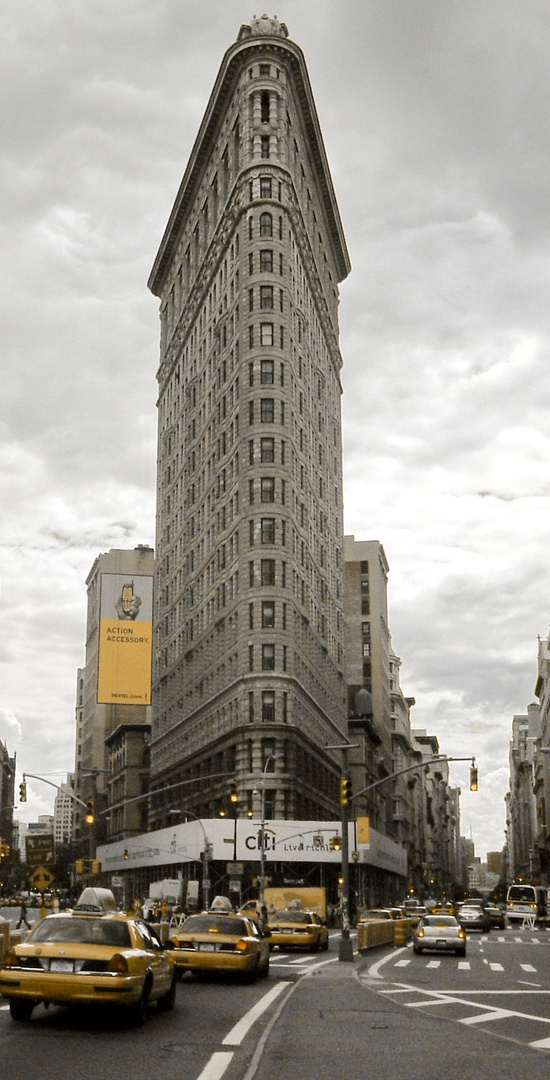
(116, 673)
(248, 664)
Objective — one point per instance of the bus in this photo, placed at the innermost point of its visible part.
(526, 901)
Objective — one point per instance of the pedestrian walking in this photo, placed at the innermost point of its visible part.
(23, 915)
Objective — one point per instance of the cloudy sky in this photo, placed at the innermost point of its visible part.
(436, 116)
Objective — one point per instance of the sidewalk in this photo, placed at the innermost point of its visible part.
(332, 1026)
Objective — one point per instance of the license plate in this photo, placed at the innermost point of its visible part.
(205, 947)
(441, 941)
(62, 965)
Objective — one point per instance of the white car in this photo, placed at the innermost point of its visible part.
(440, 932)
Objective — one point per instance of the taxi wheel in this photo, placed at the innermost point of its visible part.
(263, 972)
(21, 1009)
(325, 946)
(138, 1012)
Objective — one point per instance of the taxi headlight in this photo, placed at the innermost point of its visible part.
(420, 932)
(242, 946)
(11, 959)
(173, 943)
(118, 963)
(461, 933)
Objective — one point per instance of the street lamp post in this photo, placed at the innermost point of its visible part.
(271, 757)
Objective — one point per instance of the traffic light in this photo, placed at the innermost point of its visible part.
(23, 792)
(473, 777)
(345, 791)
(222, 812)
(336, 843)
(79, 866)
(89, 816)
(125, 852)
(234, 793)
(96, 866)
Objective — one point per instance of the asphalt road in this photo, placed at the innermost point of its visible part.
(388, 1016)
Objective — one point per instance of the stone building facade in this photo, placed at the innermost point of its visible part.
(248, 661)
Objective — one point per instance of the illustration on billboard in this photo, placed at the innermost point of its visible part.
(125, 639)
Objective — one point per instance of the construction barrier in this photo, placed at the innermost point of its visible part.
(375, 932)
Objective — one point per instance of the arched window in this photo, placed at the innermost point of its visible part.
(266, 224)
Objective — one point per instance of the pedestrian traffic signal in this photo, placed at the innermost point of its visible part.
(473, 777)
(336, 843)
(234, 793)
(23, 792)
(345, 791)
(89, 816)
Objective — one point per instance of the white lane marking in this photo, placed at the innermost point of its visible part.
(496, 967)
(433, 963)
(540, 1044)
(215, 1068)
(402, 963)
(464, 965)
(493, 1014)
(527, 967)
(242, 1027)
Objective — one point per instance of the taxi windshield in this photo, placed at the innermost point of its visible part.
(224, 924)
(82, 930)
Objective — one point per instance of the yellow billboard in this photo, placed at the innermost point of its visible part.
(125, 639)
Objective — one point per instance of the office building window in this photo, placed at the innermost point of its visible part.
(267, 571)
(267, 372)
(267, 410)
(266, 261)
(268, 614)
(268, 530)
(266, 334)
(267, 489)
(268, 657)
(267, 450)
(268, 716)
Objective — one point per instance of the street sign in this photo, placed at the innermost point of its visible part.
(41, 878)
(39, 849)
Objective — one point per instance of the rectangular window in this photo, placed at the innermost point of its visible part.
(267, 489)
(251, 299)
(268, 657)
(268, 712)
(251, 451)
(364, 566)
(265, 146)
(268, 530)
(365, 629)
(267, 572)
(268, 614)
(251, 574)
(251, 533)
(266, 334)
(251, 616)
(366, 648)
(267, 372)
(250, 492)
(251, 336)
(265, 187)
(267, 450)
(266, 261)
(266, 297)
(267, 410)
(251, 658)
(251, 413)
(250, 707)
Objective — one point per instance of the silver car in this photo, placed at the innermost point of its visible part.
(440, 932)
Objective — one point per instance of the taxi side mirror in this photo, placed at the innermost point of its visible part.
(266, 932)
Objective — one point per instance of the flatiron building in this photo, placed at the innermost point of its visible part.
(248, 683)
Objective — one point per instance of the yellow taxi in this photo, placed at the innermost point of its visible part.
(220, 942)
(295, 929)
(91, 955)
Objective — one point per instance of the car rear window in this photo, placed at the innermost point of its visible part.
(82, 930)
(201, 924)
(438, 920)
(289, 916)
